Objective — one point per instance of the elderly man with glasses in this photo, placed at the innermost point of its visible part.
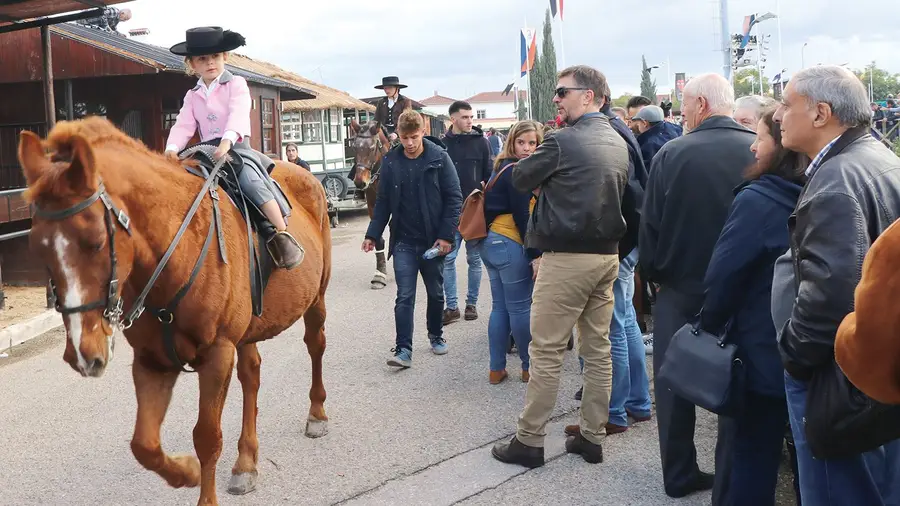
(581, 171)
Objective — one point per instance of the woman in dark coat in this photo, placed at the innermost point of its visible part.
(738, 305)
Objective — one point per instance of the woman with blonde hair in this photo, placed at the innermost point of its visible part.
(509, 263)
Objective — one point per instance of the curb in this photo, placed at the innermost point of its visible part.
(19, 333)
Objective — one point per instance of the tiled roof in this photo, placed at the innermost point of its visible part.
(326, 97)
(155, 56)
(437, 100)
(494, 97)
(28, 9)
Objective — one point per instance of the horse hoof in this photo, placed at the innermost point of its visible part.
(316, 428)
(243, 483)
(191, 467)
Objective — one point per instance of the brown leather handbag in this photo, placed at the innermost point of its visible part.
(471, 220)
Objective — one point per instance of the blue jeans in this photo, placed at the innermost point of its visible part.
(473, 258)
(871, 478)
(408, 263)
(510, 272)
(630, 384)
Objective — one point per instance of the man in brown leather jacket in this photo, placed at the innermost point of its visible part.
(389, 109)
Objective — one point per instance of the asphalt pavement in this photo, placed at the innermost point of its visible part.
(417, 436)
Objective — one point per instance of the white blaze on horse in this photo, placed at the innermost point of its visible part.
(110, 224)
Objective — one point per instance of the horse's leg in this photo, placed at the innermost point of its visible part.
(314, 318)
(154, 391)
(215, 375)
(244, 473)
(379, 281)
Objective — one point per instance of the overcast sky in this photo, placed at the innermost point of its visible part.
(463, 47)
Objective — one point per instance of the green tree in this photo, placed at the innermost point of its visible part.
(883, 82)
(542, 80)
(746, 82)
(622, 101)
(522, 110)
(648, 85)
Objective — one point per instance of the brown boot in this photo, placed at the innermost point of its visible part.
(285, 250)
(526, 376)
(611, 428)
(497, 377)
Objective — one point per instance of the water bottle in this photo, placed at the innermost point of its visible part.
(431, 253)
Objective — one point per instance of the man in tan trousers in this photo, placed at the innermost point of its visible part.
(581, 171)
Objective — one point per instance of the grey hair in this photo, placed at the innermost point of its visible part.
(715, 89)
(756, 103)
(837, 87)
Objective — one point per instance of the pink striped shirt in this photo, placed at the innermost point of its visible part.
(220, 111)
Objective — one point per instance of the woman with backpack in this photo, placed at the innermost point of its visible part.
(510, 265)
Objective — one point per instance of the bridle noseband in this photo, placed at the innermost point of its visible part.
(376, 167)
(112, 302)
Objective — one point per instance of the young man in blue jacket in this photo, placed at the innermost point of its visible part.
(419, 196)
(471, 155)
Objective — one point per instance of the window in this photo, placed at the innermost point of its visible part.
(291, 127)
(312, 126)
(268, 125)
(481, 114)
(334, 125)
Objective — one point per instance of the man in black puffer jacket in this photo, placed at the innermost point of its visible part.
(471, 154)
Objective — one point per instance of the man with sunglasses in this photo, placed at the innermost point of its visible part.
(581, 171)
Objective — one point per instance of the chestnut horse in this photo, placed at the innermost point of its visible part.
(96, 181)
(369, 147)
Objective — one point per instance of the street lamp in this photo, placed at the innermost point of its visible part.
(803, 55)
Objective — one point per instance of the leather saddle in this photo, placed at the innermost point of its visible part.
(261, 265)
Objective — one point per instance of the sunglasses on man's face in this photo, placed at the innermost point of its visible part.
(562, 91)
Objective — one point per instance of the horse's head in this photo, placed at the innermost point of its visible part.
(73, 233)
(369, 146)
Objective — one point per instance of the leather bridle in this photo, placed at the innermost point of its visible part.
(111, 303)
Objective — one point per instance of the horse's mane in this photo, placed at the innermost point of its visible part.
(100, 134)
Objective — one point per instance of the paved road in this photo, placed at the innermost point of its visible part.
(420, 436)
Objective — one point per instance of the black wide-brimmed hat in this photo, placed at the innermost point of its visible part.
(208, 40)
(390, 81)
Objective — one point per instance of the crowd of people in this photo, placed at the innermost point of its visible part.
(750, 220)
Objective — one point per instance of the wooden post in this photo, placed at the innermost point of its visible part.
(49, 100)
(70, 101)
(49, 112)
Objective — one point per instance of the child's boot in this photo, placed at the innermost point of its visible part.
(285, 250)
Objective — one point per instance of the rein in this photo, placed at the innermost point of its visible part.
(112, 304)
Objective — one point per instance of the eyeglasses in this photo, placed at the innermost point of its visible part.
(562, 91)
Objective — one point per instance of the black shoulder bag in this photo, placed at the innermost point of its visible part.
(704, 369)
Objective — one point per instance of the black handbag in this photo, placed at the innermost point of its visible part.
(702, 368)
(841, 421)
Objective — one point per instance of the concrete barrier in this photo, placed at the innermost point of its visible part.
(18, 333)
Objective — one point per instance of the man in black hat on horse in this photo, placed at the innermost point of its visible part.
(388, 110)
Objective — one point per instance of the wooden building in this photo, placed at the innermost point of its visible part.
(137, 86)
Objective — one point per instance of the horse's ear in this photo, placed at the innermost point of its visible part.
(82, 171)
(354, 126)
(32, 157)
(376, 126)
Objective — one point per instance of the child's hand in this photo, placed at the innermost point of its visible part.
(222, 150)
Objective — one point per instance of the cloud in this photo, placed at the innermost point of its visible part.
(467, 46)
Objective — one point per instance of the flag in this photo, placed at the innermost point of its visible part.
(749, 21)
(557, 5)
(507, 89)
(528, 39)
(777, 78)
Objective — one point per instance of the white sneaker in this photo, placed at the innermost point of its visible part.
(648, 344)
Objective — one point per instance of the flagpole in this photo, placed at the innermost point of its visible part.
(528, 70)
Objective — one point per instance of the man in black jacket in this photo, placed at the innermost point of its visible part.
(419, 195)
(852, 196)
(689, 194)
(581, 171)
(471, 154)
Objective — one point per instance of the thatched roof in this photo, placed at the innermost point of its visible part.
(326, 97)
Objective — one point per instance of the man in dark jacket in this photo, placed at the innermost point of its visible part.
(691, 187)
(389, 108)
(581, 171)
(471, 154)
(419, 194)
(852, 196)
(653, 131)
